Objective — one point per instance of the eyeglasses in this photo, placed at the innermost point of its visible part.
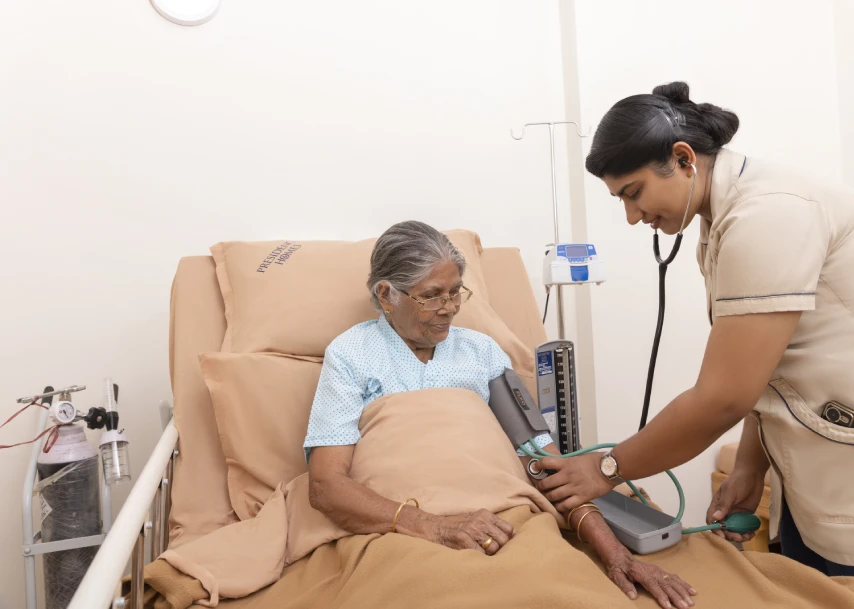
(438, 302)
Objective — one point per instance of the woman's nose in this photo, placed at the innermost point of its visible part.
(633, 214)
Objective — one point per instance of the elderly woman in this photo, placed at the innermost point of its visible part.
(416, 281)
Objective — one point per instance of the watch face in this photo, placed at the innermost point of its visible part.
(609, 466)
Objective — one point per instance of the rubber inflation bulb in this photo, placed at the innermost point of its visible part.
(742, 523)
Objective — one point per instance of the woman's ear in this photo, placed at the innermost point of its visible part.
(684, 155)
(383, 291)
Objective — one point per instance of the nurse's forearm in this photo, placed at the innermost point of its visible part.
(751, 456)
(741, 356)
(684, 429)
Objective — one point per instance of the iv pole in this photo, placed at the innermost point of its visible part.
(560, 322)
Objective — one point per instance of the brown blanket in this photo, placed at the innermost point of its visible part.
(538, 568)
(444, 447)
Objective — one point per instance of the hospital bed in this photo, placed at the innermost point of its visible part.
(182, 493)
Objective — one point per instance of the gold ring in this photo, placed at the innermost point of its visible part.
(486, 543)
(666, 577)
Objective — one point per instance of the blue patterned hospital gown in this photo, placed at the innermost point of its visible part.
(370, 360)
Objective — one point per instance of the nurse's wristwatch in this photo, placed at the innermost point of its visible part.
(609, 468)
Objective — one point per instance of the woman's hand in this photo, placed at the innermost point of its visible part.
(740, 492)
(472, 531)
(576, 481)
(622, 567)
(624, 570)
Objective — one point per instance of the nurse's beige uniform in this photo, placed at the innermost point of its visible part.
(782, 241)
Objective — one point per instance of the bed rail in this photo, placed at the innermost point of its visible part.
(126, 540)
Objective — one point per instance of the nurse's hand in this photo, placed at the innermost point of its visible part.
(576, 481)
(740, 492)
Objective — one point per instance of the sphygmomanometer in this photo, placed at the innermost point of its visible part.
(636, 524)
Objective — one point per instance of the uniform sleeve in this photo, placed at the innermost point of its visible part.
(770, 255)
(337, 406)
(499, 361)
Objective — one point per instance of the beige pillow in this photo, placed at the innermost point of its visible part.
(261, 403)
(296, 297)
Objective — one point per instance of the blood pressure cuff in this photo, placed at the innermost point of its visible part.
(516, 410)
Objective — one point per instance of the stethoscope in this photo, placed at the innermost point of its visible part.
(662, 271)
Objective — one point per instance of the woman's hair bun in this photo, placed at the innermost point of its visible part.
(721, 125)
(640, 131)
(677, 92)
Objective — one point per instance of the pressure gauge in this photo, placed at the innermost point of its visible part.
(63, 412)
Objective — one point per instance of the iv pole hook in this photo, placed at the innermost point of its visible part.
(550, 124)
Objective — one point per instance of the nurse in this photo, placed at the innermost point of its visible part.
(777, 253)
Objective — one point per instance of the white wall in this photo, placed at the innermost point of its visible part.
(774, 64)
(843, 16)
(127, 142)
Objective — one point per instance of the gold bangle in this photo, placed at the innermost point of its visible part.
(580, 521)
(569, 518)
(397, 513)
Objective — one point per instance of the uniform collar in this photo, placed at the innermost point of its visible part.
(728, 167)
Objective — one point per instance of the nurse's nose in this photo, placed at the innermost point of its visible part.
(633, 214)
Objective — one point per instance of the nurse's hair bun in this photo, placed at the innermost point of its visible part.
(719, 124)
(640, 131)
(677, 92)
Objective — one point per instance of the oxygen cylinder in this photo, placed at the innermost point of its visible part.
(70, 508)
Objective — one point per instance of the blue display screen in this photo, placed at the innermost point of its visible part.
(544, 363)
(575, 252)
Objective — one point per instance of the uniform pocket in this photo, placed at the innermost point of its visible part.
(809, 419)
(815, 457)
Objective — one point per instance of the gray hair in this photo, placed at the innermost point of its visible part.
(406, 254)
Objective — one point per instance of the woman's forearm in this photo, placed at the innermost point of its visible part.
(596, 532)
(684, 429)
(751, 456)
(357, 509)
